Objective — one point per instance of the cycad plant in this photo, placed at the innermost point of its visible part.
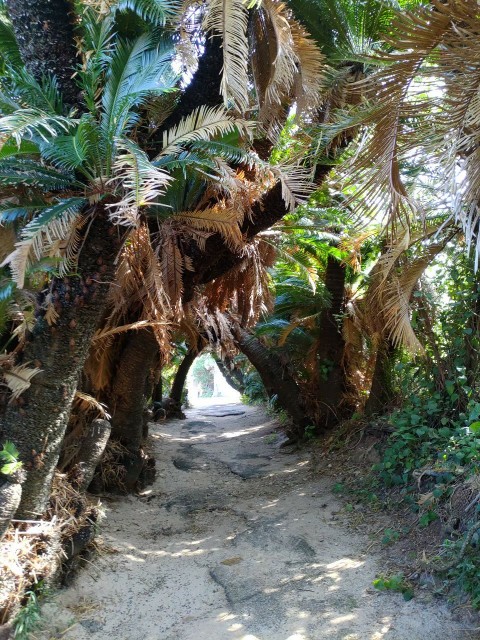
(74, 186)
(83, 176)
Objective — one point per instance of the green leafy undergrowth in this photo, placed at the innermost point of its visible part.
(9, 462)
(28, 618)
(395, 582)
(428, 433)
(465, 573)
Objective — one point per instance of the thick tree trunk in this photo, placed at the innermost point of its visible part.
(381, 391)
(45, 36)
(128, 391)
(37, 421)
(278, 382)
(10, 496)
(331, 386)
(91, 451)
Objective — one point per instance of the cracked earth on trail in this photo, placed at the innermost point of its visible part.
(235, 540)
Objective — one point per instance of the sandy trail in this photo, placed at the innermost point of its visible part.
(236, 540)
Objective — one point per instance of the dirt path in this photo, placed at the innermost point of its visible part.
(236, 540)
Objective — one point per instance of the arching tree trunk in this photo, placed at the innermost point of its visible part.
(37, 421)
(181, 375)
(331, 386)
(231, 373)
(277, 380)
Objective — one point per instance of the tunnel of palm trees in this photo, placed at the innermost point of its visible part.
(273, 203)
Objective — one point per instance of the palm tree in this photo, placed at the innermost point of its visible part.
(87, 177)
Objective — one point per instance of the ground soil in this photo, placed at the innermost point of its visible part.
(237, 539)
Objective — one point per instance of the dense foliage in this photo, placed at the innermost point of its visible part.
(211, 176)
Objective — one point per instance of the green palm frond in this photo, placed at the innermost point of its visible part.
(300, 260)
(26, 148)
(11, 212)
(9, 51)
(203, 124)
(137, 70)
(8, 104)
(15, 171)
(43, 94)
(229, 152)
(37, 237)
(184, 191)
(97, 47)
(186, 161)
(139, 181)
(81, 150)
(346, 27)
(155, 12)
(33, 124)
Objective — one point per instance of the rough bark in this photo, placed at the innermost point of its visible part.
(37, 421)
(277, 380)
(381, 390)
(45, 36)
(90, 454)
(10, 496)
(331, 386)
(128, 391)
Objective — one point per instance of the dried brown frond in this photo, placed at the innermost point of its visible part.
(84, 401)
(101, 334)
(172, 264)
(311, 69)
(424, 101)
(28, 554)
(32, 551)
(286, 63)
(7, 241)
(296, 182)
(221, 219)
(244, 290)
(18, 378)
(392, 283)
(352, 246)
(112, 469)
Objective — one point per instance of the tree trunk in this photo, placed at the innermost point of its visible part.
(278, 382)
(157, 393)
(332, 385)
(232, 375)
(381, 391)
(181, 376)
(91, 451)
(45, 36)
(37, 421)
(128, 391)
(10, 496)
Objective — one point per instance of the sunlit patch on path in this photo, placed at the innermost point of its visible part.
(236, 540)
